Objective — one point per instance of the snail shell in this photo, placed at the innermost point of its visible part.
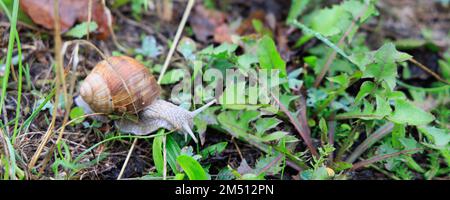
(119, 84)
(122, 85)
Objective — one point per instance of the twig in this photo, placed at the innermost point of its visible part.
(380, 158)
(426, 69)
(237, 148)
(374, 137)
(306, 137)
(111, 30)
(176, 39)
(89, 19)
(127, 159)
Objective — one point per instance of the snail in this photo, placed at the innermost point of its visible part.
(121, 85)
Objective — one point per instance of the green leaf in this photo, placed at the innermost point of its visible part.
(80, 30)
(296, 9)
(409, 43)
(75, 113)
(224, 50)
(21, 16)
(179, 177)
(187, 48)
(149, 47)
(268, 160)
(382, 63)
(398, 132)
(192, 168)
(383, 107)
(246, 60)
(264, 124)
(341, 166)
(342, 80)
(172, 76)
(268, 56)
(386, 71)
(323, 125)
(295, 83)
(229, 122)
(330, 21)
(173, 151)
(355, 7)
(274, 136)
(214, 149)
(320, 173)
(326, 41)
(157, 152)
(251, 176)
(366, 88)
(439, 137)
(409, 143)
(407, 113)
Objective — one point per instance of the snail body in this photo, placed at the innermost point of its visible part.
(122, 85)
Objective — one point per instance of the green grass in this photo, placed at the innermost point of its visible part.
(13, 35)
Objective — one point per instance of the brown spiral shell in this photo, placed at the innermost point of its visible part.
(119, 84)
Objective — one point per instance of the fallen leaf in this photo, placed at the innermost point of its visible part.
(222, 34)
(205, 21)
(246, 26)
(70, 12)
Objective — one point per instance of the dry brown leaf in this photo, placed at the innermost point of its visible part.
(205, 21)
(222, 34)
(70, 11)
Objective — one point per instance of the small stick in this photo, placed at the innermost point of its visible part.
(177, 38)
(429, 71)
(127, 159)
(380, 158)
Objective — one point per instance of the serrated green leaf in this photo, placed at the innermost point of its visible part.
(264, 124)
(214, 149)
(439, 137)
(264, 161)
(407, 113)
(273, 136)
(268, 56)
(330, 21)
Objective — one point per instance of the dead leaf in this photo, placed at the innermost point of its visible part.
(246, 26)
(205, 21)
(244, 168)
(70, 11)
(222, 34)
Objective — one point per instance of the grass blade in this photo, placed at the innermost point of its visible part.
(192, 168)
